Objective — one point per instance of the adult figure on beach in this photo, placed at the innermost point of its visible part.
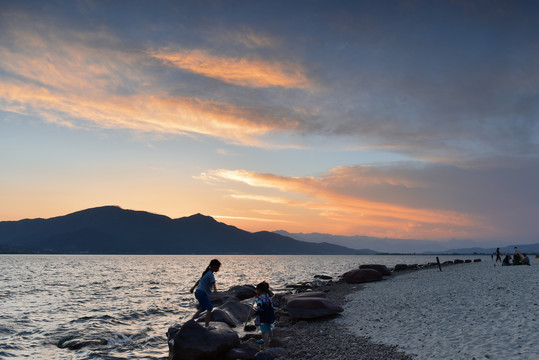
(525, 260)
(498, 255)
(203, 291)
(506, 260)
(517, 257)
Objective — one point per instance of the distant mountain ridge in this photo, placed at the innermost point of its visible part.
(113, 230)
(408, 246)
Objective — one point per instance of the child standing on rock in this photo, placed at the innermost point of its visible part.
(265, 312)
(203, 291)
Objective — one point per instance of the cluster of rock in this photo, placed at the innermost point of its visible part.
(294, 310)
(402, 267)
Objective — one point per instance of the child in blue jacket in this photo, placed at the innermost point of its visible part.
(265, 311)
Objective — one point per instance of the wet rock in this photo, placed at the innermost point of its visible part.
(362, 276)
(77, 344)
(323, 277)
(192, 341)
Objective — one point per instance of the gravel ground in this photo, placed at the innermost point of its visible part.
(324, 339)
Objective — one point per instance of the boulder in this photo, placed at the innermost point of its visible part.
(361, 276)
(242, 292)
(239, 292)
(477, 260)
(222, 316)
(192, 341)
(382, 269)
(238, 311)
(303, 307)
(232, 313)
(401, 267)
(312, 294)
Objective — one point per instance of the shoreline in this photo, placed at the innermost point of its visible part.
(323, 339)
(470, 311)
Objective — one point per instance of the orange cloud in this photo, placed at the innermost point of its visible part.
(336, 212)
(238, 71)
(74, 85)
(137, 112)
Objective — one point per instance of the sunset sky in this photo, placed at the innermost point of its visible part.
(402, 119)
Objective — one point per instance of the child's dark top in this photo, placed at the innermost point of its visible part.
(264, 309)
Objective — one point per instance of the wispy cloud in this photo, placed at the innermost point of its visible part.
(238, 71)
(76, 85)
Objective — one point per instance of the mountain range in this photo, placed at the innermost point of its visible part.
(113, 230)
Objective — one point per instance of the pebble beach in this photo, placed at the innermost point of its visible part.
(466, 311)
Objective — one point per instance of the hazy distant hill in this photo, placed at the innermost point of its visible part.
(407, 246)
(379, 245)
(112, 230)
(525, 249)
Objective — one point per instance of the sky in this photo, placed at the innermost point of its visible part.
(400, 119)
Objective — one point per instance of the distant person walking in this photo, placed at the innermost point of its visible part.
(203, 291)
(498, 255)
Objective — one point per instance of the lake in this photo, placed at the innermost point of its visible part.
(120, 306)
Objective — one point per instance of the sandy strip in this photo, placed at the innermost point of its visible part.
(466, 311)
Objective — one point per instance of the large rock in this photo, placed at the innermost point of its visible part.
(382, 269)
(232, 313)
(239, 292)
(362, 276)
(239, 311)
(192, 341)
(303, 307)
(222, 316)
(311, 294)
(242, 292)
(401, 267)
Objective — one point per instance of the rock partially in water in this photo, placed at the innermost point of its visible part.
(192, 341)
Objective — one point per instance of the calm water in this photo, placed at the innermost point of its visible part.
(120, 307)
